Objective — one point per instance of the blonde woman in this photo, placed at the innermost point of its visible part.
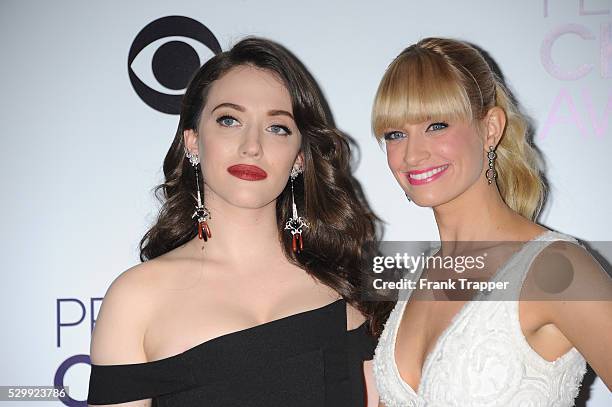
(456, 143)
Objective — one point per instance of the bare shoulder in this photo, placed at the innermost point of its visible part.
(578, 293)
(563, 274)
(567, 271)
(124, 314)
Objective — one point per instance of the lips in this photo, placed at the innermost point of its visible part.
(427, 175)
(247, 172)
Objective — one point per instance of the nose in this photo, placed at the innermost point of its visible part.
(250, 147)
(416, 150)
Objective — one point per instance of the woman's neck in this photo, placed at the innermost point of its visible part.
(240, 235)
(478, 214)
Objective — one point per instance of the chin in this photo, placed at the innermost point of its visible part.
(425, 203)
(249, 200)
(241, 197)
(430, 199)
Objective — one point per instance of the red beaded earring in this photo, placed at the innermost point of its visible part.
(296, 223)
(202, 213)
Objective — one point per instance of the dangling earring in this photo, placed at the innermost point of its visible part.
(202, 213)
(296, 223)
(491, 173)
(408, 197)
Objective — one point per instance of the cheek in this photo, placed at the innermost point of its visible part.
(281, 153)
(210, 151)
(215, 157)
(461, 150)
(452, 148)
(395, 157)
(212, 143)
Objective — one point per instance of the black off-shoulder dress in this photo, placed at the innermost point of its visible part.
(307, 359)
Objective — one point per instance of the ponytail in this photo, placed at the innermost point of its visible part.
(519, 180)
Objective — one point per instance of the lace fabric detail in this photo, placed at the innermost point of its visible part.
(482, 358)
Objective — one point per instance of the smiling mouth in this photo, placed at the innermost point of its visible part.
(425, 176)
(247, 172)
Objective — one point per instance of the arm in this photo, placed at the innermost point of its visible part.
(588, 326)
(370, 383)
(354, 320)
(118, 335)
(583, 311)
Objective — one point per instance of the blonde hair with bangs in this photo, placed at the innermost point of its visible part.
(440, 78)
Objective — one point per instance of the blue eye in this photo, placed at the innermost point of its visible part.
(394, 135)
(437, 126)
(228, 121)
(280, 130)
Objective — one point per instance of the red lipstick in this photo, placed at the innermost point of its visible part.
(247, 172)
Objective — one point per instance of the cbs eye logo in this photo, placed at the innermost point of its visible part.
(164, 56)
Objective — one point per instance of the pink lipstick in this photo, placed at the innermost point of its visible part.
(247, 172)
(427, 175)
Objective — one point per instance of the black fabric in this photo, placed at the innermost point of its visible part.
(361, 342)
(307, 359)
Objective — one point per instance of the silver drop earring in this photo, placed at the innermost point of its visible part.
(202, 213)
(296, 223)
(491, 173)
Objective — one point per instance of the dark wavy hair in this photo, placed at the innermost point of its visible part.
(341, 222)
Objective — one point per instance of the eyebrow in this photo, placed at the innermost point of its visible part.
(280, 113)
(230, 105)
(242, 109)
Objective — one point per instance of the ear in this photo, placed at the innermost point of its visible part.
(494, 125)
(299, 160)
(190, 137)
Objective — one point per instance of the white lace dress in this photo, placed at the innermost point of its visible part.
(482, 358)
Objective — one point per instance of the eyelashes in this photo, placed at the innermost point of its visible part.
(226, 121)
(437, 126)
(398, 135)
(230, 121)
(280, 129)
(393, 135)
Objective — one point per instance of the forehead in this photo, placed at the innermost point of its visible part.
(251, 87)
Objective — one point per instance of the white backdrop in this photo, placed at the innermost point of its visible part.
(81, 151)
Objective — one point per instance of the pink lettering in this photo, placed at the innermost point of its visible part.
(554, 118)
(606, 49)
(600, 127)
(546, 52)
